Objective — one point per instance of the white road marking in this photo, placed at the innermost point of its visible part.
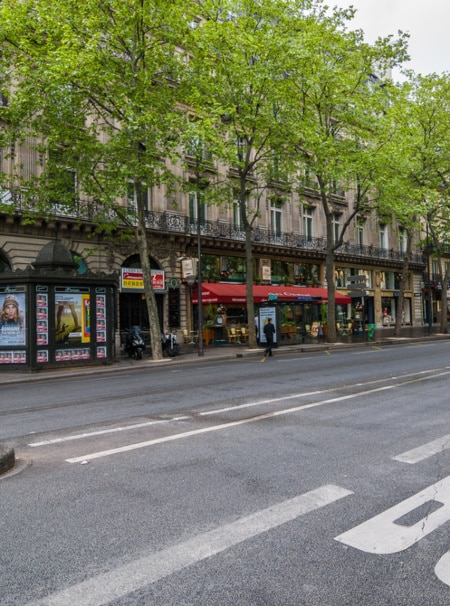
(383, 534)
(101, 432)
(259, 403)
(442, 568)
(119, 582)
(425, 451)
(206, 413)
(195, 432)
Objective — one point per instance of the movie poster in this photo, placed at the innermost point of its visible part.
(12, 319)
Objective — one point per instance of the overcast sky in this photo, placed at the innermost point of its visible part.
(426, 22)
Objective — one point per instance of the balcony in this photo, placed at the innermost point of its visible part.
(176, 223)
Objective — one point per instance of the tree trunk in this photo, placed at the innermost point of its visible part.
(403, 284)
(249, 287)
(142, 244)
(444, 321)
(331, 285)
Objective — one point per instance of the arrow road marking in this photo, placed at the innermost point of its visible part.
(442, 568)
(121, 581)
(385, 534)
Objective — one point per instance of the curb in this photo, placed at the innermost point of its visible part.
(7, 458)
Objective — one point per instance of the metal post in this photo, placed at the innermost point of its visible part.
(429, 300)
(199, 280)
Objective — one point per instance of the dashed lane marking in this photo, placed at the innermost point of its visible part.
(425, 451)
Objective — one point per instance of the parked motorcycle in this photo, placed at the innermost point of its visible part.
(169, 344)
(134, 343)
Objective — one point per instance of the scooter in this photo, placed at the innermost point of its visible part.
(169, 344)
(134, 344)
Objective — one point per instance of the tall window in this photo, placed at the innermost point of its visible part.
(237, 221)
(336, 221)
(276, 218)
(402, 237)
(384, 243)
(360, 232)
(196, 211)
(308, 214)
(132, 198)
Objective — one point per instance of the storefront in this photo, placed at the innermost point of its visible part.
(298, 312)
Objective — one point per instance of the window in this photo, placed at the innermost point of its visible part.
(336, 222)
(308, 213)
(196, 211)
(132, 198)
(360, 232)
(384, 237)
(197, 149)
(402, 237)
(276, 218)
(237, 221)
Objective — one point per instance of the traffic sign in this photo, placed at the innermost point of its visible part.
(359, 281)
(356, 294)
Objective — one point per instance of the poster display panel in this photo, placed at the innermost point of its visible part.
(264, 314)
(13, 318)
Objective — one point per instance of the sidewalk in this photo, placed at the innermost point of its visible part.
(189, 354)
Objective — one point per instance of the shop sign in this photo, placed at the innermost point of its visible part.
(132, 280)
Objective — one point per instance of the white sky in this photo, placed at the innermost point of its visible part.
(427, 23)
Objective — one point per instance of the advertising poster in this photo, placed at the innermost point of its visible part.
(12, 319)
(264, 314)
(72, 318)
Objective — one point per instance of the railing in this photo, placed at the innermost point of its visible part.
(173, 222)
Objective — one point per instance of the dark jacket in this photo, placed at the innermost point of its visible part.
(269, 331)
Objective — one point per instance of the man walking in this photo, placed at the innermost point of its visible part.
(269, 333)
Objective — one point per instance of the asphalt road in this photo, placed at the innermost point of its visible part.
(309, 479)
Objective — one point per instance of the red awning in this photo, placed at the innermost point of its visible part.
(235, 293)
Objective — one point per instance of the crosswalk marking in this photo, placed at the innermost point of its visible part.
(119, 582)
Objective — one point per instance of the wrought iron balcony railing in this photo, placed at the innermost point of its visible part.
(174, 222)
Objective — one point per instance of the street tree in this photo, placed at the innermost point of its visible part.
(418, 180)
(92, 87)
(240, 51)
(340, 126)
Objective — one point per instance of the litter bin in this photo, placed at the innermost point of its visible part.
(370, 332)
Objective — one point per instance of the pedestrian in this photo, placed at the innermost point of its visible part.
(269, 333)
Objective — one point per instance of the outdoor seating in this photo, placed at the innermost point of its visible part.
(233, 336)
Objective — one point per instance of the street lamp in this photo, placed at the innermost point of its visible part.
(429, 306)
(199, 282)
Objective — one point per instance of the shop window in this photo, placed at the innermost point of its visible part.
(210, 267)
(306, 274)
